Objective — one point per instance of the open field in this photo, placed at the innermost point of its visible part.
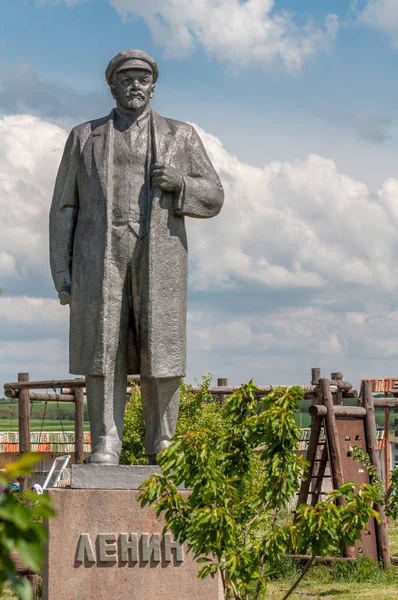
(36, 425)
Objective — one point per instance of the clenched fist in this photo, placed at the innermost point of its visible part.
(166, 178)
(64, 294)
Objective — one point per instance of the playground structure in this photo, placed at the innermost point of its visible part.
(335, 426)
(73, 390)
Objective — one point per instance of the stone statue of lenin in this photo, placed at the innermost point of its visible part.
(118, 253)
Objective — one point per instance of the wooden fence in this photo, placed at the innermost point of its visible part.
(73, 390)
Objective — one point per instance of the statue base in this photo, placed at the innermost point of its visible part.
(103, 545)
(110, 477)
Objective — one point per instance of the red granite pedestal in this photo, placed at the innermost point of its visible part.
(104, 546)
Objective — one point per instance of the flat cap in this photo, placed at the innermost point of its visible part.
(131, 59)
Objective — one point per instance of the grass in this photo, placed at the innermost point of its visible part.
(324, 583)
(310, 590)
(36, 425)
(362, 580)
(393, 537)
(7, 594)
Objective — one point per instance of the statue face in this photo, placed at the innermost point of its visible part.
(133, 89)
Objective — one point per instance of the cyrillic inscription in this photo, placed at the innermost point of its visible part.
(150, 547)
(107, 548)
(128, 548)
(170, 545)
(85, 549)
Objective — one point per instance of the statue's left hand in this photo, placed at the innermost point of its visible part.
(166, 178)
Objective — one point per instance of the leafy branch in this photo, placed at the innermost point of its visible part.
(21, 530)
(244, 477)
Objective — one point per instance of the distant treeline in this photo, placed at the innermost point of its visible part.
(8, 401)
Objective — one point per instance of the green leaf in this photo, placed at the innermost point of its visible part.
(31, 553)
(23, 466)
(22, 588)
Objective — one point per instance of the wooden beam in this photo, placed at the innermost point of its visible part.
(319, 411)
(332, 434)
(339, 393)
(310, 455)
(70, 384)
(79, 426)
(52, 397)
(24, 424)
(24, 416)
(387, 445)
(372, 446)
(336, 464)
(385, 402)
(222, 382)
(315, 375)
(46, 384)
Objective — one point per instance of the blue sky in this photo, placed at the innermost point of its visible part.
(296, 104)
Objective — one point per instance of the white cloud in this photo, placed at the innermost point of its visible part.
(235, 32)
(382, 15)
(30, 151)
(301, 263)
(295, 224)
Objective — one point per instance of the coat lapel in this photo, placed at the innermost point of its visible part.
(162, 138)
(102, 144)
(161, 145)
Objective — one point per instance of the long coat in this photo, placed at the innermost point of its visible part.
(80, 230)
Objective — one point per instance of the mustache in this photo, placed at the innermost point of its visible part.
(136, 95)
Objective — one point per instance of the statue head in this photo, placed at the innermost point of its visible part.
(131, 76)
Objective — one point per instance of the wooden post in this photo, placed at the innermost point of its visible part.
(332, 435)
(24, 424)
(372, 446)
(79, 425)
(315, 376)
(312, 448)
(34, 580)
(387, 444)
(339, 393)
(336, 464)
(222, 382)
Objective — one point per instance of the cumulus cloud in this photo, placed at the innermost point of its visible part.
(383, 16)
(243, 32)
(301, 263)
(30, 151)
(295, 225)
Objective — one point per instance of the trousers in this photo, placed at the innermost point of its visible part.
(125, 332)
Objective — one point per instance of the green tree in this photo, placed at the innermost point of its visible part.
(198, 410)
(21, 527)
(386, 498)
(242, 480)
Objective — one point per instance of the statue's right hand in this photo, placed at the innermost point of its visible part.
(64, 298)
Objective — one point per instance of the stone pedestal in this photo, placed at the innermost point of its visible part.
(104, 546)
(111, 477)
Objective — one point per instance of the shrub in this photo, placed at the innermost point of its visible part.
(198, 410)
(243, 478)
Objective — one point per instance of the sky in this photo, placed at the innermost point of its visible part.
(296, 103)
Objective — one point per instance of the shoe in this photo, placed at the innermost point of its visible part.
(104, 458)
